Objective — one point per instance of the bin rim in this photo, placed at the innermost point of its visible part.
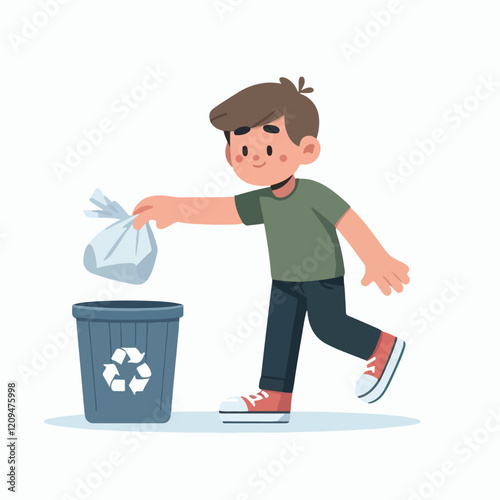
(127, 310)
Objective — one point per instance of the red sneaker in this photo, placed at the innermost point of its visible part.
(263, 407)
(372, 385)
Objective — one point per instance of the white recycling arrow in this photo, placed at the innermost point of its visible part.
(134, 354)
(144, 371)
(118, 385)
(110, 372)
(118, 356)
(138, 384)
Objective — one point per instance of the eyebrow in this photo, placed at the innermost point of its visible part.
(242, 131)
(272, 129)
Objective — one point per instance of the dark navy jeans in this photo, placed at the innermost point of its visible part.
(324, 302)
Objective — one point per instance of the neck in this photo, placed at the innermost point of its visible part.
(284, 188)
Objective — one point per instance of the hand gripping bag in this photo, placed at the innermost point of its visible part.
(120, 252)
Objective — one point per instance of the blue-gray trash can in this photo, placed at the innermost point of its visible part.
(127, 359)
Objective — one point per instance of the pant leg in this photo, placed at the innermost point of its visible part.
(329, 321)
(287, 310)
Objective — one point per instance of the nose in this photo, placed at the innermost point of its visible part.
(255, 157)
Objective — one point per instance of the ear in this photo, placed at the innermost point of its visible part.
(310, 149)
(228, 154)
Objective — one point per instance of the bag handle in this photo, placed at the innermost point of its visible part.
(109, 209)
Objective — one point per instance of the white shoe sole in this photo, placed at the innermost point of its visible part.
(378, 390)
(254, 417)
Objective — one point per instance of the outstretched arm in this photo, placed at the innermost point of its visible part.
(380, 267)
(166, 210)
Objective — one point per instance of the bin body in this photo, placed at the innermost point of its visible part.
(127, 359)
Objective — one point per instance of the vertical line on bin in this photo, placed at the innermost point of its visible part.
(114, 331)
(146, 350)
(128, 333)
(164, 365)
(140, 336)
(92, 364)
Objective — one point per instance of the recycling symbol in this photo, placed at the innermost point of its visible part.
(112, 375)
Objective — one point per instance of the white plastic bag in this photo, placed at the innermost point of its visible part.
(120, 252)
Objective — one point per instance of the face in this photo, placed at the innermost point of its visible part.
(265, 155)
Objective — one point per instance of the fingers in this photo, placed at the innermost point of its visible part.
(140, 209)
(144, 204)
(401, 278)
(144, 217)
(384, 286)
(366, 280)
(402, 274)
(404, 268)
(393, 275)
(394, 282)
(405, 279)
(381, 282)
(386, 282)
(162, 224)
(144, 212)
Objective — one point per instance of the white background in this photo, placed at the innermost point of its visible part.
(66, 77)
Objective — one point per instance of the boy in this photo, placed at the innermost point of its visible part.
(271, 130)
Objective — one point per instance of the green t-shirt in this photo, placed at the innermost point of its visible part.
(300, 229)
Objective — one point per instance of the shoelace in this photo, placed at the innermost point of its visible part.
(371, 368)
(253, 398)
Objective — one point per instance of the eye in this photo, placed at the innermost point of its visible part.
(244, 150)
(269, 150)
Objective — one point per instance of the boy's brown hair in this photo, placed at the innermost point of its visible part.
(263, 103)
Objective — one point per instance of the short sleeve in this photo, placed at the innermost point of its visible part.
(329, 204)
(249, 208)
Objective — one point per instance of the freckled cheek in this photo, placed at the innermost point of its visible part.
(283, 158)
(239, 158)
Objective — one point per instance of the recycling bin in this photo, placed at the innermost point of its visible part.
(127, 359)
